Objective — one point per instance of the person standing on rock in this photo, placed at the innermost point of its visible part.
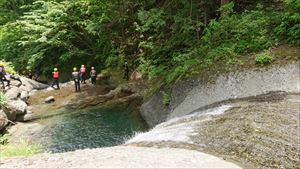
(93, 74)
(76, 78)
(55, 78)
(82, 74)
(2, 76)
(126, 70)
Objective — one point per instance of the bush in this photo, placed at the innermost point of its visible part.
(166, 98)
(264, 58)
(4, 139)
(8, 67)
(21, 149)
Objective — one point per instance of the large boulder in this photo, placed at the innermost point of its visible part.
(49, 99)
(24, 95)
(25, 117)
(3, 119)
(13, 93)
(17, 106)
(29, 84)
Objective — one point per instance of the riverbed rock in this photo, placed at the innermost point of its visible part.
(3, 119)
(13, 93)
(17, 106)
(50, 89)
(24, 95)
(32, 84)
(32, 92)
(15, 83)
(25, 117)
(49, 99)
(24, 131)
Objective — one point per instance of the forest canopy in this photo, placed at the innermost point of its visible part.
(159, 38)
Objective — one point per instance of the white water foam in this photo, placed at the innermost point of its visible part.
(173, 130)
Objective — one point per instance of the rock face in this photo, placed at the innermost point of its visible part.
(49, 99)
(154, 111)
(192, 94)
(3, 119)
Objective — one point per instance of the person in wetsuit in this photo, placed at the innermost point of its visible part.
(82, 74)
(126, 70)
(2, 76)
(93, 74)
(76, 78)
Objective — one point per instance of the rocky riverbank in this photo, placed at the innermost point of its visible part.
(17, 107)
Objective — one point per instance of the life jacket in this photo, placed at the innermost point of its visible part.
(93, 73)
(82, 70)
(75, 76)
(55, 74)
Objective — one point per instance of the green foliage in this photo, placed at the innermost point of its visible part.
(3, 100)
(21, 149)
(264, 58)
(164, 40)
(166, 97)
(3, 139)
(289, 27)
(9, 68)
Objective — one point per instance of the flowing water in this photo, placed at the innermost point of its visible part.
(70, 130)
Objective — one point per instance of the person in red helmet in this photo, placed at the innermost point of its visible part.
(55, 74)
(93, 74)
(82, 72)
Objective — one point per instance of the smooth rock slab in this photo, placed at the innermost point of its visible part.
(120, 157)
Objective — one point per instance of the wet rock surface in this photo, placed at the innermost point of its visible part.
(256, 132)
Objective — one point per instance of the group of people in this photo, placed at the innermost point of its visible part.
(78, 76)
(5, 77)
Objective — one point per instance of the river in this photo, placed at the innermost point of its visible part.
(88, 128)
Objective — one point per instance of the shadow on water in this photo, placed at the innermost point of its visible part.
(89, 128)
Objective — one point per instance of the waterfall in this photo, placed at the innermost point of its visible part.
(178, 129)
